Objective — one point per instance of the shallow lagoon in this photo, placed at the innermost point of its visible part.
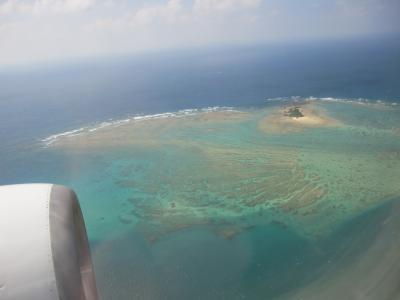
(236, 203)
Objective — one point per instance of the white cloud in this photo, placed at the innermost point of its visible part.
(169, 12)
(43, 30)
(40, 7)
(210, 6)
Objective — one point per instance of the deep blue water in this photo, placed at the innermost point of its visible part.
(43, 100)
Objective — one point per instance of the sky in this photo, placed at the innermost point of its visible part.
(34, 31)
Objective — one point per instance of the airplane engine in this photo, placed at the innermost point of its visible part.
(44, 250)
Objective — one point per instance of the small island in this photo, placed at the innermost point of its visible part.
(293, 112)
(296, 118)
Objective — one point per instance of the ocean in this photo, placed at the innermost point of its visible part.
(195, 182)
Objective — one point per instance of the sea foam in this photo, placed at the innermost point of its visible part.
(48, 141)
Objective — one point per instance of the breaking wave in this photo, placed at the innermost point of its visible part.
(136, 118)
(331, 99)
(190, 112)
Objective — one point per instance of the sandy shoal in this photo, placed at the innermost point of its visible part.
(278, 122)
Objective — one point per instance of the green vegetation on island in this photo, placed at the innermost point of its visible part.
(294, 112)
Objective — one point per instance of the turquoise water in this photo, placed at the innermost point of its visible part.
(213, 205)
(264, 263)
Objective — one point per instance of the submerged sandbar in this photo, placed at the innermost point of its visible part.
(147, 131)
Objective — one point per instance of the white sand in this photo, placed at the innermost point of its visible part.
(278, 122)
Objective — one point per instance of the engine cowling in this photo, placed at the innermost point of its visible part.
(44, 250)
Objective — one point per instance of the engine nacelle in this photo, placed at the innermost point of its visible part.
(44, 250)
